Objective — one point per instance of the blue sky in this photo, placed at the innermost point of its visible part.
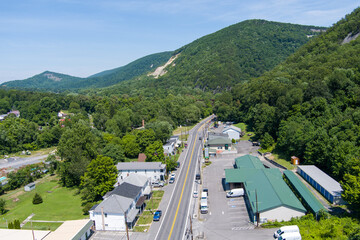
(83, 37)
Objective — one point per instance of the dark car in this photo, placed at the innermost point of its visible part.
(157, 215)
(198, 176)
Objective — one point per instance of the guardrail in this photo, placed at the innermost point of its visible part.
(275, 163)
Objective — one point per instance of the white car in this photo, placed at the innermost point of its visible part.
(172, 175)
(195, 194)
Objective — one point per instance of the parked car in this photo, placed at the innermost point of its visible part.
(177, 164)
(195, 194)
(172, 175)
(172, 180)
(157, 184)
(198, 176)
(157, 215)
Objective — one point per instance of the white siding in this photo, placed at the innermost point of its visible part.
(232, 134)
(281, 214)
(152, 175)
(112, 221)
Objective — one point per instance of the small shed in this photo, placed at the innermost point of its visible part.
(29, 187)
(295, 160)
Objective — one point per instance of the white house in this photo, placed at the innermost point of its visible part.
(139, 181)
(110, 213)
(233, 132)
(122, 203)
(154, 171)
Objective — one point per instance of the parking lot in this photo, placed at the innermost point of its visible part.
(227, 218)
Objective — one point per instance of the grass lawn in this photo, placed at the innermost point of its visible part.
(147, 215)
(42, 226)
(59, 203)
(275, 157)
(244, 128)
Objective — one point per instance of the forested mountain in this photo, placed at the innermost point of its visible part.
(50, 81)
(236, 53)
(46, 81)
(310, 104)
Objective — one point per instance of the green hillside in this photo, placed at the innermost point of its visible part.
(44, 81)
(236, 53)
(50, 81)
(310, 103)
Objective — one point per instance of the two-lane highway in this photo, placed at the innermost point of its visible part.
(176, 214)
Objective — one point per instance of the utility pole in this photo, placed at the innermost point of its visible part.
(126, 226)
(191, 230)
(257, 210)
(102, 216)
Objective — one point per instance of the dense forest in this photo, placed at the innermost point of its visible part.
(309, 105)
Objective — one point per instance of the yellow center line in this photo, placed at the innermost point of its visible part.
(182, 191)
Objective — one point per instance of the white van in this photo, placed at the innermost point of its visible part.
(286, 229)
(236, 192)
(203, 206)
(203, 195)
(290, 236)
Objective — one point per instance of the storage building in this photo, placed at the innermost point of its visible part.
(322, 182)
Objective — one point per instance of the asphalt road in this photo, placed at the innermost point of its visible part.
(18, 162)
(173, 224)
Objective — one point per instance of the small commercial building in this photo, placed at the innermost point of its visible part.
(266, 193)
(323, 183)
(29, 187)
(219, 143)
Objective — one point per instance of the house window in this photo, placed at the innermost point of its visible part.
(135, 171)
(105, 214)
(154, 171)
(219, 147)
(106, 225)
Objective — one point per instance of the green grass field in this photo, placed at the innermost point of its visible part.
(59, 204)
(244, 128)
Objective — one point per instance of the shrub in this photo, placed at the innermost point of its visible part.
(37, 199)
(10, 225)
(16, 224)
(2, 206)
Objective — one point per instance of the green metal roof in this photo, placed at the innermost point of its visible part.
(219, 141)
(248, 161)
(272, 191)
(314, 204)
(238, 175)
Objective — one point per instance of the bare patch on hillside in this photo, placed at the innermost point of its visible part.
(52, 77)
(350, 37)
(160, 71)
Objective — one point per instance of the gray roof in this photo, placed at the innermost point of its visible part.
(30, 185)
(232, 128)
(136, 179)
(324, 180)
(114, 204)
(122, 166)
(126, 190)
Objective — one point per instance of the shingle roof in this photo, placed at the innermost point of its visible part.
(248, 161)
(314, 204)
(126, 190)
(140, 166)
(114, 204)
(324, 180)
(136, 179)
